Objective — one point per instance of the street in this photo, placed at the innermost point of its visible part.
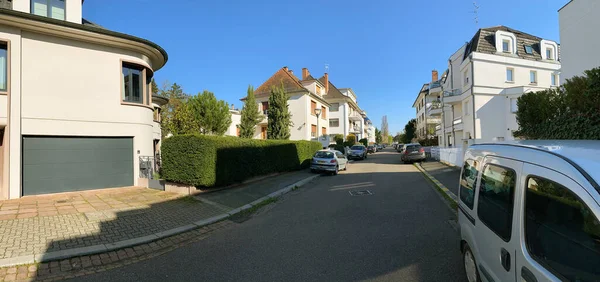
(402, 232)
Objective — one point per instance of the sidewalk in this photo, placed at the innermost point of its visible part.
(48, 228)
(447, 175)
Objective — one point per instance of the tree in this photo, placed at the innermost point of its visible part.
(385, 132)
(351, 139)
(177, 99)
(183, 122)
(378, 136)
(250, 115)
(339, 139)
(364, 141)
(390, 139)
(155, 90)
(409, 131)
(279, 115)
(211, 115)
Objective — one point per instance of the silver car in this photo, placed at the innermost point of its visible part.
(357, 152)
(328, 160)
(528, 211)
(413, 153)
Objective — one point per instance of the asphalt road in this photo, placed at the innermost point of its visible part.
(402, 232)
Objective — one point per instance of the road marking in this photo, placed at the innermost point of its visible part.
(353, 187)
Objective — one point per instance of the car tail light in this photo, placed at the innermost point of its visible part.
(406, 152)
(421, 150)
(333, 161)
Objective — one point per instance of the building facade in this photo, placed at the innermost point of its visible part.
(578, 50)
(345, 117)
(64, 129)
(484, 79)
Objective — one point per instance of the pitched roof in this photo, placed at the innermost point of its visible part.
(334, 92)
(484, 41)
(290, 82)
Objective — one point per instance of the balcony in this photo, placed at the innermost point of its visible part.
(435, 109)
(434, 120)
(355, 116)
(355, 129)
(457, 123)
(455, 96)
(435, 87)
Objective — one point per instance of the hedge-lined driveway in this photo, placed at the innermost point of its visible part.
(401, 232)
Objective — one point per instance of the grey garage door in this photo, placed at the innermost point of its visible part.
(62, 164)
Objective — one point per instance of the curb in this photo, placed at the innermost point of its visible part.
(438, 183)
(103, 248)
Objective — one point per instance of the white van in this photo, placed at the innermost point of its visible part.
(529, 210)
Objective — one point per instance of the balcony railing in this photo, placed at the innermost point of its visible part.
(438, 127)
(457, 121)
(454, 92)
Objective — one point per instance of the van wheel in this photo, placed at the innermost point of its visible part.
(470, 265)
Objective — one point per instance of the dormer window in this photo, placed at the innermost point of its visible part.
(549, 54)
(506, 46)
(49, 8)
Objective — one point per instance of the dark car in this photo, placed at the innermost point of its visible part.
(371, 149)
(357, 152)
(413, 152)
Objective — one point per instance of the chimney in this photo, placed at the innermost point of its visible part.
(434, 76)
(285, 68)
(305, 73)
(326, 83)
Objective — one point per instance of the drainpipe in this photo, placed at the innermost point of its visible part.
(473, 97)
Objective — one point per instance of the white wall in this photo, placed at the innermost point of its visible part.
(299, 106)
(579, 48)
(236, 119)
(311, 118)
(490, 71)
(337, 115)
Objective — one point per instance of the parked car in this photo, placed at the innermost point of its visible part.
(329, 161)
(357, 152)
(413, 152)
(530, 209)
(400, 147)
(380, 147)
(371, 149)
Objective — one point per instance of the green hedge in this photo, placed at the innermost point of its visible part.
(207, 161)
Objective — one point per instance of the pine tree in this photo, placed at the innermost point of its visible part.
(250, 115)
(211, 115)
(279, 115)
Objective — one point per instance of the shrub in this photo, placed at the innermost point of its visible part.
(208, 161)
(364, 141)
(429, 142)
(351, 139)
(339, 139)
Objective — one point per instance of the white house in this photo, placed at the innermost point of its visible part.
(345, 116)
(370, 131)
(579, 47)
(484, 79)
(236, 120)
(76, 108)
(305, 102)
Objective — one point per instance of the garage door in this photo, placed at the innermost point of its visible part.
(62, 164)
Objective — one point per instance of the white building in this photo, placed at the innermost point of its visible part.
(236, 120)
(370, 131)
(485, 78)
(579, 47)
(305, 101)
(76, 108)
(345, 116)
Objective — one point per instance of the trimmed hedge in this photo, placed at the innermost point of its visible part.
(202, 160)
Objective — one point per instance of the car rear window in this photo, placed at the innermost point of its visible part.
(324, 155)
(357, 148)
(413, 147)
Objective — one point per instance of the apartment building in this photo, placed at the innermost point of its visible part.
(76, 107)
(346, 117)
(484, 79)
(578, 50)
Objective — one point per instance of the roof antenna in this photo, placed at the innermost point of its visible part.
(476, 12)
(326, 68)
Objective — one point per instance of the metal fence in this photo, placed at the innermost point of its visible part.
(148, 166)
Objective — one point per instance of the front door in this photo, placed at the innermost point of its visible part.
(263, 132)
(494, 233)
(560, 227)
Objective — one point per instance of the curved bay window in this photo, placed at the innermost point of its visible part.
(136, 84)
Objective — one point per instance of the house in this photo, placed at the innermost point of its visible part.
(236, 120)
(426, 107)
(484, 79)
(345, 117)
(76, 108)
(307, 105)
(578, 49)
(370, 131)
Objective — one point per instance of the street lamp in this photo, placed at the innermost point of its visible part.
(318, 113)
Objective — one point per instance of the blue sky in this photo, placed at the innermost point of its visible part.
(383, 50)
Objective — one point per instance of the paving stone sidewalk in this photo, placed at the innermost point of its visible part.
(118, 215)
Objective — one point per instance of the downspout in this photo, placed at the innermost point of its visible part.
(473, 97)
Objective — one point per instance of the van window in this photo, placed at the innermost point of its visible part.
(496, 199)
(467, 182)
(561, 232)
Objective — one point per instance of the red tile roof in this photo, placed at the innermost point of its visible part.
(290, 82)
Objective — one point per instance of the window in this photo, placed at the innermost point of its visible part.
(323, 131)
(334, 107)
(313, 106)
(529, 49)
(513, 105)
(323, 112)
(549, 54)
(133, 84)
(265, 107)
(496, 199)
(553, 79)
(533, 77)
(467, 182)
(157, 114)
(506, 46)
(466, 77)
(313, 131)
(335, 122)
(3, 67)
(238, 131)
(561, 232)
(509, 75)
(49, 8)
(318, 89)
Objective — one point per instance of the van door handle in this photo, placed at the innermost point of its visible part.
(505, 259)
(527, 275)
